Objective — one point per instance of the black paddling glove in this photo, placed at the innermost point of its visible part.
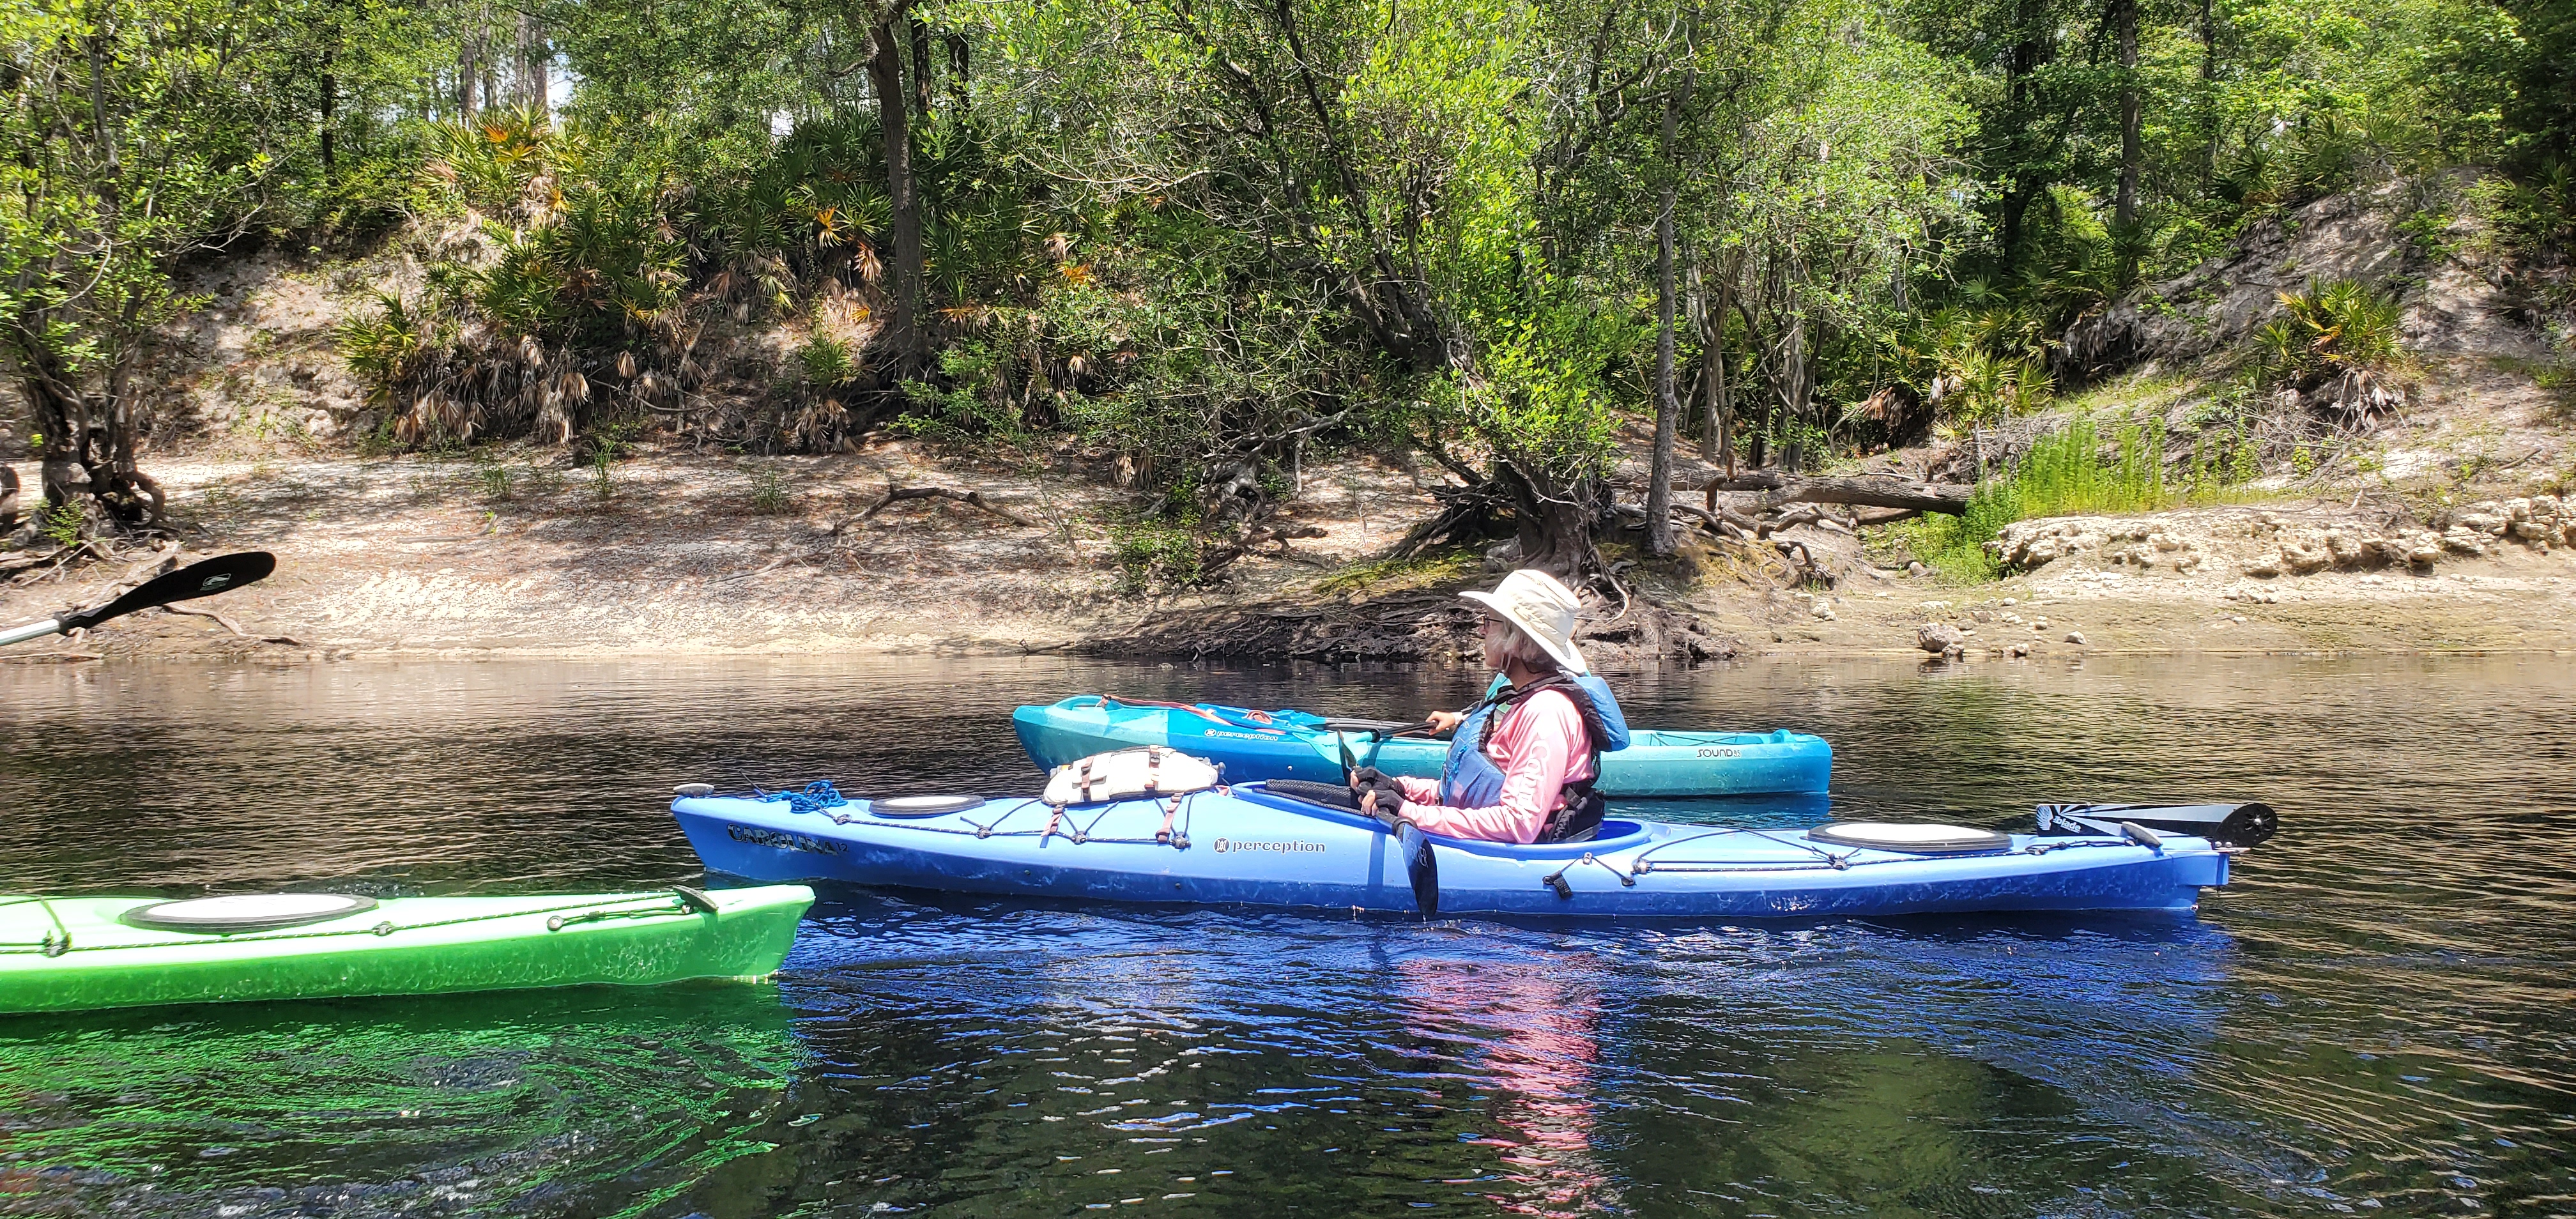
(1390, 798)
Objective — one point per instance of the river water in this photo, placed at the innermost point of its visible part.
(2374, 1018)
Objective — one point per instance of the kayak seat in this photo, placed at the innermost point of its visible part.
(1329, 795)
(1581, 823)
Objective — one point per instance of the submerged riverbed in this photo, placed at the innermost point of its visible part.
(2375, 1018)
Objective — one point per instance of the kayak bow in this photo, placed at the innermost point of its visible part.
(78, 953)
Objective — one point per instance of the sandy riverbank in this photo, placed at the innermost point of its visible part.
(690, 553)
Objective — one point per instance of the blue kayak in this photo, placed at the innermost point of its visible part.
(1298, 745)
(1247, 845)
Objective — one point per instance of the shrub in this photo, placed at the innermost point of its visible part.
(386, 348)
(826, 362)
(1150, 550)
(770, 494)
(492, 480)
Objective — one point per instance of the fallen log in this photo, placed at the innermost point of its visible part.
(971, 498)
(1722, 522)
(1882, 491)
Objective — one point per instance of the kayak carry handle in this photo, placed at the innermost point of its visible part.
(697, 899)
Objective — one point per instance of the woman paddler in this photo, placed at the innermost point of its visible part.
(1522, 763)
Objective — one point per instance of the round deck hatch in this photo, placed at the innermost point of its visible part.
(922, 806)
(1910, 837)
(246, 912)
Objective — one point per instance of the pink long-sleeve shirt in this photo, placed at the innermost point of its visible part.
(1539, 746)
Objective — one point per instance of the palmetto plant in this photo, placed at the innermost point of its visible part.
(1985, 362)
(2337, 345)
(490, 162)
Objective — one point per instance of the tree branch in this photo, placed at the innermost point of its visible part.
(971, 498)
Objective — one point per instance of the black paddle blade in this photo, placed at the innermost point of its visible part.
(222, 573)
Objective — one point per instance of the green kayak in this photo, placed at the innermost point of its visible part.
(76, 953)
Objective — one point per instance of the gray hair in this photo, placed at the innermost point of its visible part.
(1516, 644)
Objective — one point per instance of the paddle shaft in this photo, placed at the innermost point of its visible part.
(33, 630)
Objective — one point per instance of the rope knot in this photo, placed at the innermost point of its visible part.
(814, 798)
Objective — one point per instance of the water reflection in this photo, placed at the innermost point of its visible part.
(1538, 1029)
(566, 1101)
(2374, 1017)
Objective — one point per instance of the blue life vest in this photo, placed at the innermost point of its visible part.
(1469, 778)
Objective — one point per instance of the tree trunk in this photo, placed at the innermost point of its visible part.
(1718, 438)
(885, 74)
(2022, 63)
(957, 70)
(1554, 526)
(330, 108)
(1659, 483)
(1794, 390)
(465, 76)
(2209, 92)
(2124, 15)
(532, 67)
(920, 31)
(1720, 397)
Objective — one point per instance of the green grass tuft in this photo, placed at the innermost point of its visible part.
(1379, 573)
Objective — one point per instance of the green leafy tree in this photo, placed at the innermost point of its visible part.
(138, 130)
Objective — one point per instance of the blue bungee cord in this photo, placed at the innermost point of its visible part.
(816, 796)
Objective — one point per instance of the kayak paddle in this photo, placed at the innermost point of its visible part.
(202, 579)
(1380, 729)
(1379, 733)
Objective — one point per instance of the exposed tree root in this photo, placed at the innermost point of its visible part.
(971, 498)
(230, 625)
(1429, 624)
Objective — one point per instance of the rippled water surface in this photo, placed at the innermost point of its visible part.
(2375, 1018)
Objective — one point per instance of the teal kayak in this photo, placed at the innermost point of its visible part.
(1252, 744)
(62, 954)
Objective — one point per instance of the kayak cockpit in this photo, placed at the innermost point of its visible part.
(1614, 834)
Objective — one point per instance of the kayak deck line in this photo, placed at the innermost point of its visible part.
(1839, 862)
(1642, 865)
(595, 911)
(1178, 840)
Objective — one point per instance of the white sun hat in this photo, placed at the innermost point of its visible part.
(1542, 608)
